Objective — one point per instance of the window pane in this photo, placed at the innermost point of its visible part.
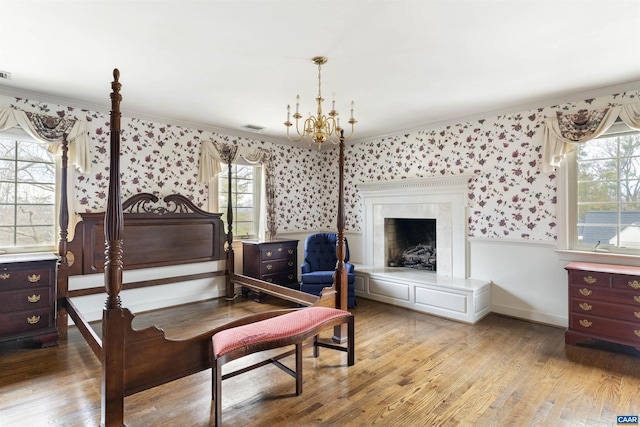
(603, 148)
(35, 214)
(597, 170)
(244, 214)
(7, 149)
(33, 152)
(36, 172)
(36, 193)
(7, 170)
(7, 236)
(630, 190)
(6, 214)
(598, 191)
(32, 236)
(7, 192)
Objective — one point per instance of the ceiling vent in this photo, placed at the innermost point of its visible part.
(5, 75)
(253, 128)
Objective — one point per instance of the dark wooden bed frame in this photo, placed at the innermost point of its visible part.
(139, 234)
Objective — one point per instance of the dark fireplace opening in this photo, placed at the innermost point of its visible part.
(410, 242)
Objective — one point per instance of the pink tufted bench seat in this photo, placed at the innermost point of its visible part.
(275, 329)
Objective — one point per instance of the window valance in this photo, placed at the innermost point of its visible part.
(563, 132)
(215, 155)
(52, 131)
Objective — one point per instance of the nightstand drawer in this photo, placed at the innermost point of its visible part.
(18, 278)
(25, 321)
(277, 251)
(25, 299)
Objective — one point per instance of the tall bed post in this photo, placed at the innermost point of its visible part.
(63, 262)
(112, 384)
(340, 278)
(230, 291)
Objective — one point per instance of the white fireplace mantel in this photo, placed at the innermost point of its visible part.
(448, 292)
(441, 198)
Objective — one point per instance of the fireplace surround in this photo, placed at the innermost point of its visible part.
(441, 198)
(447, 292)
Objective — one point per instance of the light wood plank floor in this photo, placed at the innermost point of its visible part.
(411, 369)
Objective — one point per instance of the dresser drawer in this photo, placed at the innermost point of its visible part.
(594, 293)
(25, 299)
(25, 321)
(589, 278)
(18, 278)
(277, 251)
(605, 328)
(606, 309)
(629, 283)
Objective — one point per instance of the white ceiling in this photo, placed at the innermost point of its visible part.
(406, 64)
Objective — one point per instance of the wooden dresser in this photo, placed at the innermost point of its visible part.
(28, 298)
(604, 303)
(274, 261)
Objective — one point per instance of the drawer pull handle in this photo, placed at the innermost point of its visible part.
(290, 277)
(637, 314)
(269, 279)
(637, 332)
(585, 323)
(269, 266)
(635, 284)
(290, 263)
(585, 306)
(269, 253)
(279, 249)
(290, 251)
(33, 320)
(590, 280)
(5, 276)
(636, 298)
(586, 292)
(33, 298)
(33, 278)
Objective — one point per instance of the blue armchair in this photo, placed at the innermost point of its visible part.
(320, 264)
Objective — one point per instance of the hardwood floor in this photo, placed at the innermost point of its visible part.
(411, 369)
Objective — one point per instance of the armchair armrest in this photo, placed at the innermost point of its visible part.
(350, 267)
(305, 267)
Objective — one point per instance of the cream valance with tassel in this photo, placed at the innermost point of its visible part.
(563, 133)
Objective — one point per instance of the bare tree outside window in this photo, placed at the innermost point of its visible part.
(608, 192)
(27, 196)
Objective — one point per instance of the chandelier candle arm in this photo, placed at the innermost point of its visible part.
(320, 128)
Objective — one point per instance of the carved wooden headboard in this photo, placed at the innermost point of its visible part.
(154, 235)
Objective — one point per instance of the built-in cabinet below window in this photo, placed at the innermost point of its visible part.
(604, 303)
(28, 299)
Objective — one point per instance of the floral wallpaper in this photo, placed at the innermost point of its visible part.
(508, 197)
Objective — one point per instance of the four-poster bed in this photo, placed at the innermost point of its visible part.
(138, 234)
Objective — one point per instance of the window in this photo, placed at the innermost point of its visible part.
(245, 194)
(606, 196)
(27, 195)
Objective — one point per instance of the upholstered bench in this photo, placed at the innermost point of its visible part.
(291, 328)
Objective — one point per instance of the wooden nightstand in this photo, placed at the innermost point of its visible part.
(28, 298)
(274, 261)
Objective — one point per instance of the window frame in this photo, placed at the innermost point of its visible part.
(18, 135)
(257, 199)
(567, 207)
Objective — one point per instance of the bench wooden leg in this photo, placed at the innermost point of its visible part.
(351, 356)
(298, 369)
(217, 391)
(316, 348)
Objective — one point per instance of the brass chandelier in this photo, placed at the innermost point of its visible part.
(320, 128)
